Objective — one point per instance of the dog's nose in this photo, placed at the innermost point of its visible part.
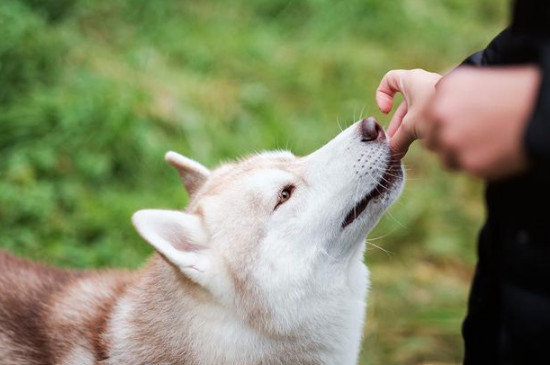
(371, 131)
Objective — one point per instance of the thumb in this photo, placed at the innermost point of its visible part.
(397, 118)
(400, 142)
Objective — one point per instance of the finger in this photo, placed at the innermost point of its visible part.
(400, 142)
(397, 118)
(389, 86)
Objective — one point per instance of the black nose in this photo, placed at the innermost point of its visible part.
(371, 131)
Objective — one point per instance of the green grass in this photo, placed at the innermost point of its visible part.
(93, 92)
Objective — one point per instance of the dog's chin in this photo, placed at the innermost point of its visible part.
(384, 194)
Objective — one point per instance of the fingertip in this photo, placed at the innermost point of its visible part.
(384, 102)
(383, 110)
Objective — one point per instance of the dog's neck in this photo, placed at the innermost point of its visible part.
(165, 317)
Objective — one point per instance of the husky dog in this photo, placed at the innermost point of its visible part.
(265, 266)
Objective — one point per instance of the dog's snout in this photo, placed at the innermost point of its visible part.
(371, 131)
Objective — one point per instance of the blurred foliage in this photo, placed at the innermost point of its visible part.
(93, 92)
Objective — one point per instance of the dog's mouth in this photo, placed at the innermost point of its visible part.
(392, 174)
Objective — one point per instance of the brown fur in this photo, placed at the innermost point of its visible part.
(22, 306)
(154, 295)
(46, 314)
(30, 297)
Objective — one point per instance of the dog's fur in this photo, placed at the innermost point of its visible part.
(263, 267)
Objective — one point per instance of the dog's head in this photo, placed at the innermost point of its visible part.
(273, 230)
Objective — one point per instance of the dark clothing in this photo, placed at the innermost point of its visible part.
(508, 321)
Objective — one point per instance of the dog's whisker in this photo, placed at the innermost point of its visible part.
(381, 236)
(338, 122)
(395, 219)
(361, 115)
(388, 253)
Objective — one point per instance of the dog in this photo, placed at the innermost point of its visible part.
(264, 266)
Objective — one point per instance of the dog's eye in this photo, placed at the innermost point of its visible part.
(284, 195)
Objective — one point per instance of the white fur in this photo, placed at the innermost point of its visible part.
(300, 269)
(79, 355)
(259, 269)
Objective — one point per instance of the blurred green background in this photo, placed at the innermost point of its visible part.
(93, 92)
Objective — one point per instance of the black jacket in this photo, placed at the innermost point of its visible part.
(508, 320)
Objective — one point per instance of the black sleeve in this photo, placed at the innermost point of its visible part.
(508, 48)
(537, 134)
(531, 22)
(526, 41)
(492, 54)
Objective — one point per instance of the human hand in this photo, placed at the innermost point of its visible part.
(478, 119)
(409, 122)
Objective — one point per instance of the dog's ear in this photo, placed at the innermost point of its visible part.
(180, 238)
(192, 173)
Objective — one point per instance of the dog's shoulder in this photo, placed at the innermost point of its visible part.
(39, 307)
(25, 281)
(24, 288)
